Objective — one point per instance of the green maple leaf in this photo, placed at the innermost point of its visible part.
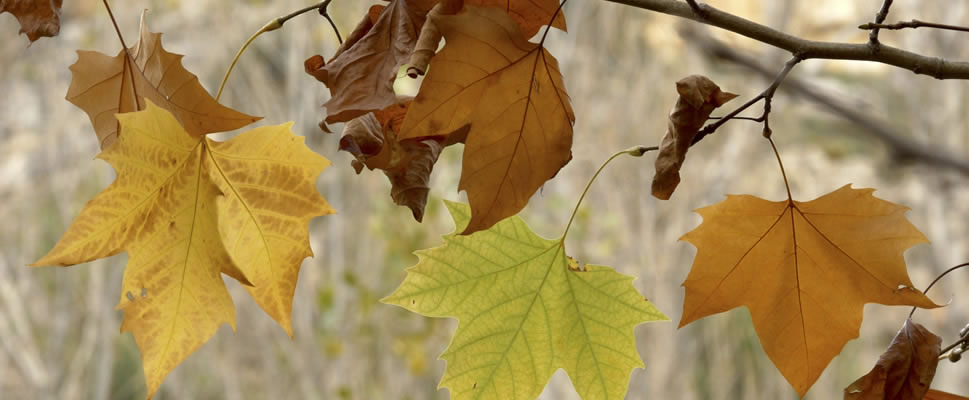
(525, 309)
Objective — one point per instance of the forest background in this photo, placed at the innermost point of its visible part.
(59, 327)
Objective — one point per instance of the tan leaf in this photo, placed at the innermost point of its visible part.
(530, 15)
(699, 96)
(805, 270)
(102, 87)
(361, 76)
(511, 93)
(37, 18)
(904, 371)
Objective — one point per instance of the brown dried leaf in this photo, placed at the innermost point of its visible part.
(530, 15)
(37, 18)
(102, 87)
(361, 75)
(904, 371)
(372, 139)
(511, 93)
(699, 96)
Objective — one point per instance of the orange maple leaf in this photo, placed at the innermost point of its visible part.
(102, 87)
(511, 93)
(804, 270)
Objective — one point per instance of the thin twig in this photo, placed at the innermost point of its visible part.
(912, 24)
(696, 7)
(767, 95)
(128, 58)
(926, 291)
(879, 18)
(272, 25)
(809, 49)
(898, 143)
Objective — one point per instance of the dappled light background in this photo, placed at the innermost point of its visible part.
(59, 328)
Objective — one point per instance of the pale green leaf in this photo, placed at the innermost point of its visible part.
(525, 309)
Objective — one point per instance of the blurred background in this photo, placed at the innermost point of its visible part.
(59, 328)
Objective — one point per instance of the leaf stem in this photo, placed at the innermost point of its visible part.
(787, 185)
(128, 58)
(635, 151)
(272, 25)
(944, 273)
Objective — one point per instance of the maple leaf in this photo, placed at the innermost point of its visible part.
(103, 86)
(525, 309)
(698, 97)
(37, 18)
(904, 371)
(361, 75)
(804, 270)
(511, 93)
(186, 208)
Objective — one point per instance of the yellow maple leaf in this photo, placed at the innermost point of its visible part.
(511, 93)
(186, 208)
(804, 270)
(103, 86)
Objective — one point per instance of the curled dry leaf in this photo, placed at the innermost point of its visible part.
(904, 371)
(805, 270)
(372, 139)
(37, 18)
(361, 75)
(102, 87)
(699, 96)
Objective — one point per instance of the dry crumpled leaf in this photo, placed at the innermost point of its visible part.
(805, 270)
(186, 208)
(361, 75)
(699, 96)
(102, 87)
(372, 139)
(904, 371)
(511, 93)
(37, 18)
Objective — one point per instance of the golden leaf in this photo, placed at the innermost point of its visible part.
(186, 208)
(804, 270)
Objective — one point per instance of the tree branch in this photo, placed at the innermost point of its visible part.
(912, 24)
(807, 49)
(899, 144)
(767, 95)
(879, 18)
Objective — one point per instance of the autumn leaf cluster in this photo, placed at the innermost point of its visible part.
(188, 210)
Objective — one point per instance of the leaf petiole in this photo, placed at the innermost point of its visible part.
(272, 25)
(635, 151)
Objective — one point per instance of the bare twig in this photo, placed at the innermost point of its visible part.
(808, 49)
(897, 142)
(767, 95)
(879, 18)
(270, 26)
(912, 24)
